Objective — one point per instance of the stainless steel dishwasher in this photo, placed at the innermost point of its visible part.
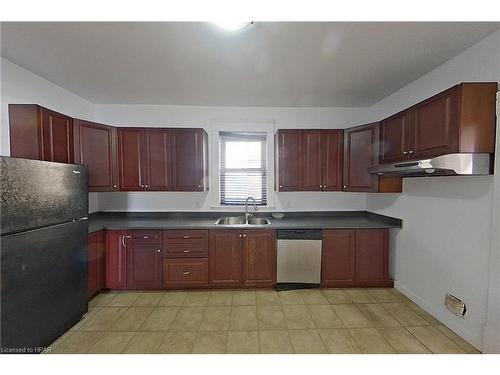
(299, 259)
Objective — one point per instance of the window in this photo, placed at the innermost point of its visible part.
(243, 165)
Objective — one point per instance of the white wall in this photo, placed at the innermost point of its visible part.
(213, 119)
(444, 245)
(21, 86)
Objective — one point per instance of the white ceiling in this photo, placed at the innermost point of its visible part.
(268, 64)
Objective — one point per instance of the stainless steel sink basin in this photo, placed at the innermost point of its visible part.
(258, 221)
(240, 220)
(231, 220)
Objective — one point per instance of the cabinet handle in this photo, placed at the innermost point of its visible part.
(186, 237)
(411, 152)
(187, 251)
(158, 251)
(324, 186)
(345, 187)
(142, 186)
(244, 235)
(281, 186)
(199, 186)
(145, 237)
(114, 186)
(186, 273)
(405, 152)
(123, 241)
(239, 236)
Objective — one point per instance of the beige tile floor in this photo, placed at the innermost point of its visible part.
(262, 321)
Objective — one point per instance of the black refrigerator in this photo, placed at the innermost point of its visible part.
(43, 227)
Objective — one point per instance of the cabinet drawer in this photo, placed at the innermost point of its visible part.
(185, 236)
(187, 250)
(144, 235)
(185, 272)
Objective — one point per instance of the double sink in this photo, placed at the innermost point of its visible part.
(240, 220)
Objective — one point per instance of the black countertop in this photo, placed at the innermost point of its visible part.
(206, 220)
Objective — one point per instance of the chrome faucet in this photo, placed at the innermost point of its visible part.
(247, 214)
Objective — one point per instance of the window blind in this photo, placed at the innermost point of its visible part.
(242, 169)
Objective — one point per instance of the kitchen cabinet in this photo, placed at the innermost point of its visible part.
(116, 259)
(259, 258)
(190, 160)
(185, 258)
(185, 273)
(225, 257)
(312, 157)
(96, 262)
(360, 153)
(39, 133)
(458, 120)
(163, 159)
(132, 159)
(144, 259)
(242, 257)
(372, 258)
(95, 146)
(338, 262)
(355, 258)
(308, 159)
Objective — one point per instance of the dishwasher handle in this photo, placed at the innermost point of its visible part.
(299, 234)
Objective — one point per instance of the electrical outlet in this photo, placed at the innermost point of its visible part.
(455, 305)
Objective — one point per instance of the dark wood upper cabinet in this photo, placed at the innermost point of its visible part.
(259, 258)
(95, 146)
(372, 257)
(159, 160)
(338, 262)
(190, 160)
(312, 157)
(361, 153)
(96, 262)
(394, 137)
(225, 257)
(144, 264)
(288, 164)
(116, 259)
(132, 159)
(332, 159)
(308, 160)
(39, 133)
(458, 120)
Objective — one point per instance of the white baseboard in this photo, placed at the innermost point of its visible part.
(470, 337)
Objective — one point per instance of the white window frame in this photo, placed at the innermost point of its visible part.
(237, 126)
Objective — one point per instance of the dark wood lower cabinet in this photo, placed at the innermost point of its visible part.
(185, 273)
(259, 258)
(144, 264)
(372, 257)
(224, 257)
(96, 262)
(355, 257)
(338, 266)
(116, 259)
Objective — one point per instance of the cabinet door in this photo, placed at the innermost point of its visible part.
(57, 137)
(372, 257)
(394, 133)
(224, 257)
(116, 259)
(435, 129)
(332, 160)
(312, 170)
(159, 161)
(25, 131)
(189, 160)
(338, 265)
(95, 146)
(259, 258)
(95, 262)
(288, 160)
(131, 159)
(360, 153)
(144, 265)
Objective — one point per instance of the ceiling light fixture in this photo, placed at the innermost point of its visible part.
(232, 25)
